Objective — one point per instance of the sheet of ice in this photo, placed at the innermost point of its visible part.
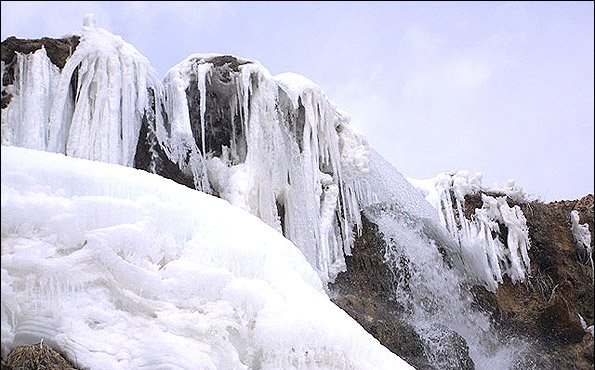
(388, 190)
(123, 269)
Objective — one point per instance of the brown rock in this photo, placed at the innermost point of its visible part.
(58, 50)
(559, 320)
(546, 308)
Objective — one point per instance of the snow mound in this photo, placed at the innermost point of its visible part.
(123, 269)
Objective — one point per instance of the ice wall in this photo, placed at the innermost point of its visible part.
(33, 93)
(92, 108)
(275, 146)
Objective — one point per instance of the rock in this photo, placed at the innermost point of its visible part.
(545, 310)
(446, 349)
(58, 50)
(588, 351)
(559, 320)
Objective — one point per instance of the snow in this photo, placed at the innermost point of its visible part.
(120, 268)
(587, 328)
(582, 237)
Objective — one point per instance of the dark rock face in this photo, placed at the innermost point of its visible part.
(151, 157)
(58, 50)
(365, 292)
(222, 126)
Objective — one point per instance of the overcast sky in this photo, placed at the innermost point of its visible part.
(505, 89)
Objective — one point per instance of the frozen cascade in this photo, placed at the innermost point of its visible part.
(32, 95)
(274, 146)
(431, 273)
(289, 155)
(278, 148)
(487, 259)
(99, 118)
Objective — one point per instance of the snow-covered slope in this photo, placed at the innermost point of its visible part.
(123, 269)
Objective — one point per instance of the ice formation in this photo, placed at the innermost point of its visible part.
(582, 238)
(274, 146)
(486, 257)
(33, 93)
(123, 269)
(98, 118)
(588, 328)
(431, 270)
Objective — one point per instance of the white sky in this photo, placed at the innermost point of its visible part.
(501, 88)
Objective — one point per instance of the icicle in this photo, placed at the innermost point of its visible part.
(486, 259)
(102, 119)
(202, 72)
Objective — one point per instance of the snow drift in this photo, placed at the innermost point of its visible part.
(124, 269)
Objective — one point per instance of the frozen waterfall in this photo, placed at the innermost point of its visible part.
(92, 108)
(276, 147)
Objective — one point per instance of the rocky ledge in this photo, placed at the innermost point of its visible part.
(545, 311)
